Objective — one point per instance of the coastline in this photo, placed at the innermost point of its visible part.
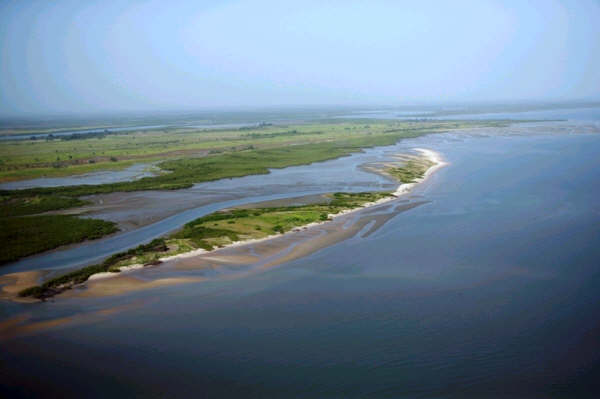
(438, 163)
(194, 255)
(401, 190)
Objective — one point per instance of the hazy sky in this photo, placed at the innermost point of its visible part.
(89, 56)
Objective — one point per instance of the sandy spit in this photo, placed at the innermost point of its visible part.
(402, 189)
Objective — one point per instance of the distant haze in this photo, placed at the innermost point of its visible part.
(98, 56)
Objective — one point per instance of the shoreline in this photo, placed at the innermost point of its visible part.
(438, 163)
(404, 188)
(401, 190)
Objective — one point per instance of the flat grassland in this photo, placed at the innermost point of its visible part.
(27, 159)
(412, 170)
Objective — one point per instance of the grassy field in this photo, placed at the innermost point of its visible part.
(412, 170)
(221, 228)
(23, 236)
(29, 159)
(39, 158)
(215, 230)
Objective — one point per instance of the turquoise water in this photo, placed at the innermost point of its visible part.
(488, 290)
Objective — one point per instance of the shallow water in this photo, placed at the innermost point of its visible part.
(488, 290)
(579, 114)
(343, 174)
(572, 114)
(133, 172)
(58, 133)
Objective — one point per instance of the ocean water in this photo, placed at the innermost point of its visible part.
(491, 289)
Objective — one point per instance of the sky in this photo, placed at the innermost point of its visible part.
(102, 56)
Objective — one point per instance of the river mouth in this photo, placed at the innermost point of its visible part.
(347, 219)
(490, 283)
(143, 216)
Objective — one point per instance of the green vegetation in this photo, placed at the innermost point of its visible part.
(187, 156)
(23, 236)
(30, 205)
(187, 171)
(192, 156)
(184, 172)
(235, 153)
(57, 285)
(214, 230)
(412, 170)
(28, 159)
(221, 228)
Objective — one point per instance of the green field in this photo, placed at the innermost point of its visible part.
(29, 159)
(412, 170)
(215, 230)
(221, 228)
